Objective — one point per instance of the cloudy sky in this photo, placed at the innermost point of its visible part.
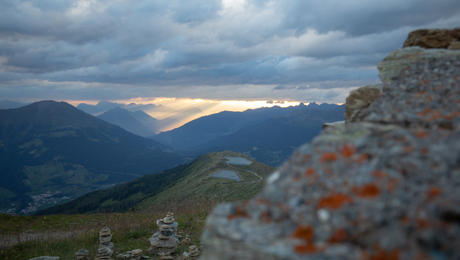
(292, 50)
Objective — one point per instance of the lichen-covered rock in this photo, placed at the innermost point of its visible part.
(396, 64)
(424, 92)
(437, 38)
(361, 98)
(385, 186)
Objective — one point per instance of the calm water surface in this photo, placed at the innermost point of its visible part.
(238, 161)
(226, 174)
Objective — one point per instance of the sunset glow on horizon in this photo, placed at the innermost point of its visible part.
(192, 108)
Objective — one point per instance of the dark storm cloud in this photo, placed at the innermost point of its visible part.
(137, 48)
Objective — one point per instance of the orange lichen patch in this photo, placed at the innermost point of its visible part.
(425, 112)
(239, 212)
(305, 233)
(367, 191)
(265, 217)
(328, 157)
(347, 150)
(423, 82)
(306, 157)
(404, 219)
(383, 255)
(438, 115)
(422, 223)
(434, 192)
(424, 150)
(339, 236)
(421, 93)
(310, 171)
(378, 174)
(334, 201)
(421, 134)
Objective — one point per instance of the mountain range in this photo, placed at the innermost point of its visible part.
(7, 104)
(137, 122)
(52, 146)
(51, 152)
(168, 117)
(273, 141)
(204, 129)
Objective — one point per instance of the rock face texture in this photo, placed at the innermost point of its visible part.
(360, 99)
(386, 185)
(439, 38)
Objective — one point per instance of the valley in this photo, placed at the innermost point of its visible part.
(54, 148)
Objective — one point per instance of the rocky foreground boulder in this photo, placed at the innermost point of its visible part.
(386, 185)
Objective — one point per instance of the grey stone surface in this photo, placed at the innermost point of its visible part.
(422, 93)
(82, 254)
(399, 61)
(385, 186)
(360, 99)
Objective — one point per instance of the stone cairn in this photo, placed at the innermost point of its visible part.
(193, 253)
(106, 247)
(135, 254)
(169, 221)
(166, 256)
(165, 239)
(82, 254)
(104, 253)
(186, 240)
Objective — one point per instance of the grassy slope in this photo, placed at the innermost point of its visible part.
(191, 199)
(199, 182)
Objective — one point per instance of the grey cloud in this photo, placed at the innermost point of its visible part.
(138, 47)
(281, 87)
(114, 10)
(330, 94)
(361, 17)
(270, 102)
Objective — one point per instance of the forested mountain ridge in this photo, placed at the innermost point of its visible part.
(52, 146)
(193, 179)
(204, 129)
(273, 141)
